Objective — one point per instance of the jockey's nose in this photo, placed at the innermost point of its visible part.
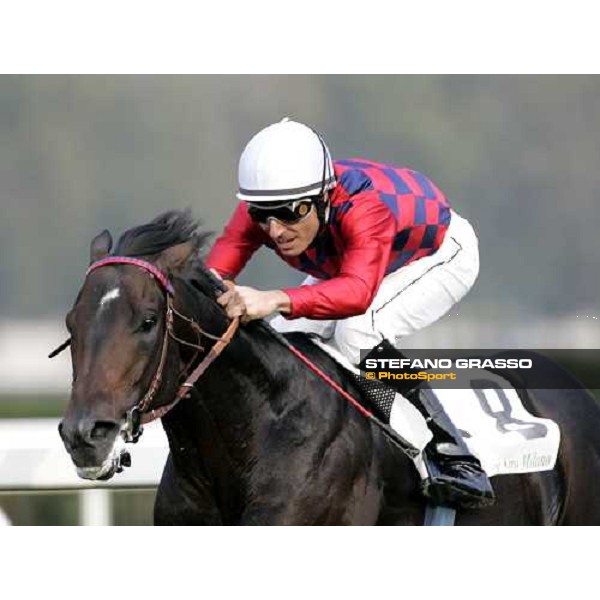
(276, 228)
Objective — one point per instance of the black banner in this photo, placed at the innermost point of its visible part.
(460, 369)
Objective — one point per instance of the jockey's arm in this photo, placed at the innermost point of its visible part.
(369, 233)
(234, 248)
(228, 256)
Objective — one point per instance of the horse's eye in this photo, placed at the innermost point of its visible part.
(147, 324)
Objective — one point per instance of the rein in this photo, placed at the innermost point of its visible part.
(141, 413)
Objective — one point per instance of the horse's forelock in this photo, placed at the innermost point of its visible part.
(170, 229)
(167, 230)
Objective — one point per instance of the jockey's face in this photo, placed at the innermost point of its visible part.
(293, 239)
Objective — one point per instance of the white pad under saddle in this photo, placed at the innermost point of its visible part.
(500, 431)
(495, 425)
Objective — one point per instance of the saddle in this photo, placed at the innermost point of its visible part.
(494, 422)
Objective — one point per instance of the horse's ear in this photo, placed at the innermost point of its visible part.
(100, 246)
(176, 258)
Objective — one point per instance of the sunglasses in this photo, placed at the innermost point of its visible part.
(288, 213)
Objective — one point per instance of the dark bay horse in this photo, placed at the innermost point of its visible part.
(261, 439)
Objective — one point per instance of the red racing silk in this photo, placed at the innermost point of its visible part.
(381, 218)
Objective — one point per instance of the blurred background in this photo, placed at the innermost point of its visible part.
(519, 156)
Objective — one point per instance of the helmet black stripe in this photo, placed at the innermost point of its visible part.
(299, 190)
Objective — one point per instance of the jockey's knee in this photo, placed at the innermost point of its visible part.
(323, 329)
(355, 334)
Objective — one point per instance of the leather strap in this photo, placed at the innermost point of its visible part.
(186, 387)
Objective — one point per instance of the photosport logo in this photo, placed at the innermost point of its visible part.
(456, 369)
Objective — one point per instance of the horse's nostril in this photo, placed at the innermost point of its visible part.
(61, 433)
(102, 430)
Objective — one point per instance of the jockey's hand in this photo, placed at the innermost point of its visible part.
(232, 302)
(250, 303)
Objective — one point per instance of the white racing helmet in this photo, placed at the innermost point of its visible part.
(283, 162)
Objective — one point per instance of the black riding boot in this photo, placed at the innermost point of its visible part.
(455, 475)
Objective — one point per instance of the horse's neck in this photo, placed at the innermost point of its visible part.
(236, 388)
(248, 384)
(239, 386)
(214, 434)
(242, 379)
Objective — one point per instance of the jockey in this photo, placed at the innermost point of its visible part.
(385, 256)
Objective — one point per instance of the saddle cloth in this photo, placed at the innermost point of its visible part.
(495, 425)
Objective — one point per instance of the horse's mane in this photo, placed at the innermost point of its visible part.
(168, 229)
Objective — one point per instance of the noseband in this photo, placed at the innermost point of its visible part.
(141, 412)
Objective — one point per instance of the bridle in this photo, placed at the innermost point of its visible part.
(141, 413)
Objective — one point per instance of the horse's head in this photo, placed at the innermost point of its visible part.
(121, 326)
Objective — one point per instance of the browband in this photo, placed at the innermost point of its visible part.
(161, 277)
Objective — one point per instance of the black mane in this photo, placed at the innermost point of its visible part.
(168, 229)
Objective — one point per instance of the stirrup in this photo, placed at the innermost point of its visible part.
(460, 482)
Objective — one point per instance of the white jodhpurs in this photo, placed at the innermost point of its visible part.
(408, 299)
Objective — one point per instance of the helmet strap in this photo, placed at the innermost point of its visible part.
(323, 209)
(323, 206)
